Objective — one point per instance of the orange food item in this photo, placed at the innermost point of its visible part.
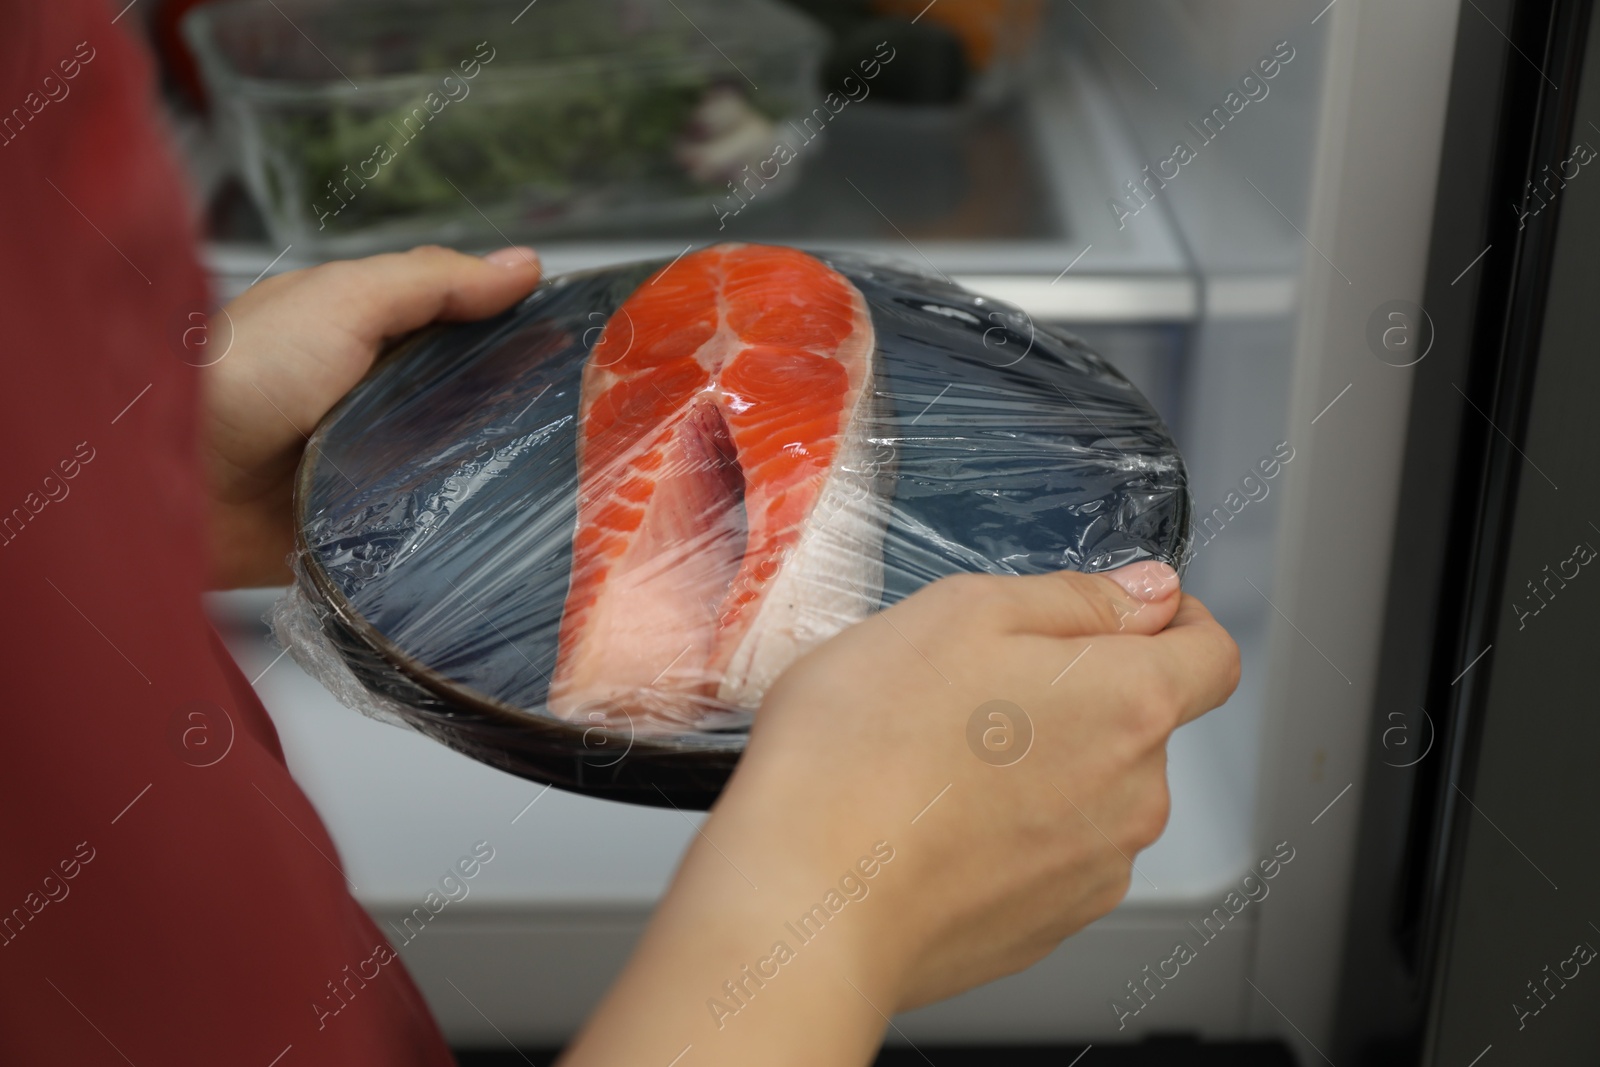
(988, 28)
(717, 405)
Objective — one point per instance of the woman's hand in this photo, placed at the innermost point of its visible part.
(299, 342)
(997, 855)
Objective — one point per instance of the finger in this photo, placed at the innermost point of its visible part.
(1137, 599)
(384, 296)
(1197, 658)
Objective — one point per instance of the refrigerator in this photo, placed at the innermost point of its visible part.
(1349, 242)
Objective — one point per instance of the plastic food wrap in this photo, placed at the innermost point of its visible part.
(579, 540)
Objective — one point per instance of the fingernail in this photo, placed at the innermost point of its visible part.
(515, 256)
(1148, 581)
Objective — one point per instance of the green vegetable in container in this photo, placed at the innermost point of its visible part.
(516, 156)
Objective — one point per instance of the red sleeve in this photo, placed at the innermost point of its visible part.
(167, 893)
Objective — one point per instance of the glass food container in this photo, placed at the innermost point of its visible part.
(365, 125)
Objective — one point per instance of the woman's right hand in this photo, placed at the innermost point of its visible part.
(876, 738)
(859, 736)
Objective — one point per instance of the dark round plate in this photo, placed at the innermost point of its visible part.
(435, 507)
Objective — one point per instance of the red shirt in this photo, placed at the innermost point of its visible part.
(168, 895)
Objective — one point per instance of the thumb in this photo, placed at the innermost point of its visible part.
(388, 295)
(1140, 598)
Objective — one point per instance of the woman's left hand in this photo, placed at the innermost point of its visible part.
(299, 342)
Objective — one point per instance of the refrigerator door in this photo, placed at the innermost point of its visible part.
(1470, 928)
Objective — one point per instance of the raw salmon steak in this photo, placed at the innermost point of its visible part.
(727, 519)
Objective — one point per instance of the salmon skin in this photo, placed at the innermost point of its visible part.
(728, 517)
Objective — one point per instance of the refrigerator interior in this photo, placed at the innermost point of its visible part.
(1194, 285)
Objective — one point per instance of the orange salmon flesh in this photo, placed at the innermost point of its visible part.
(727, 519)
